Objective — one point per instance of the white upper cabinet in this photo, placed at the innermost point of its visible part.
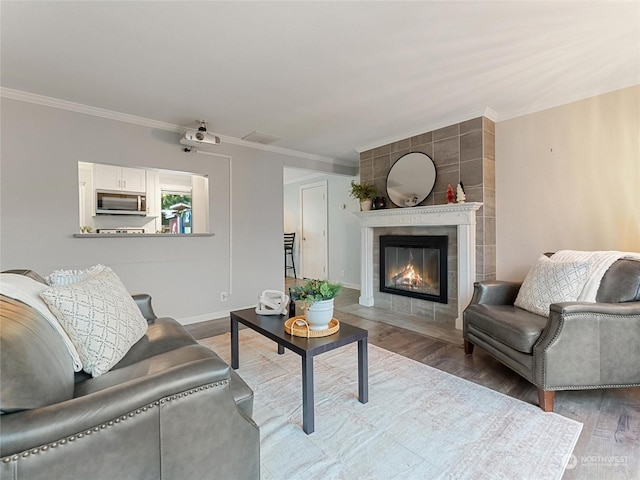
(153, 202)
(134, 179)
(110, 177)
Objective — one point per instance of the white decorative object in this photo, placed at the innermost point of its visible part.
(319, 314)
(549, 282)
(460, 196)
(412, 201)
(67, 277)
(599, 262)
(365, 205)
(272, 302)
(100, 317)
(463, 216)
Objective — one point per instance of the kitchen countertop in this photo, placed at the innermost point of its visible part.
(140, 235)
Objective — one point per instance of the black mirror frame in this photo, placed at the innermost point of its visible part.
(419, 200)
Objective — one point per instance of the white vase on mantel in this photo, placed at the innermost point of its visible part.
(365, 205)
(319, 314)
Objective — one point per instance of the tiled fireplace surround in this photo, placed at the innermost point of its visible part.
(464, 152)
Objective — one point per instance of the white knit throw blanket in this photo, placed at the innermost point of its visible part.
(599, 263)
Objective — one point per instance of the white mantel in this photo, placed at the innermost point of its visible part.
(463, 215)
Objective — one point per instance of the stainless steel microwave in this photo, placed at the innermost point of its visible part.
(120, 203)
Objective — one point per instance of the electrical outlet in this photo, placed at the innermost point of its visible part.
(342, 273)
(224, 296)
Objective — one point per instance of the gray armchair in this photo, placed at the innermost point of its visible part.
(579, 346)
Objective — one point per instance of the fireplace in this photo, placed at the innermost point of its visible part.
(414, 266)
(396, 220)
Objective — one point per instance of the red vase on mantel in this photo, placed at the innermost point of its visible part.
(451, 197)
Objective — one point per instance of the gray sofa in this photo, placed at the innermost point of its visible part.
(170, 409)
(578, 346)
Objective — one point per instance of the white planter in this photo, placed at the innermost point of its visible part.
(319, 315)
(365, 205)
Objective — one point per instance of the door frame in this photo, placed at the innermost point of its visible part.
(321, 183)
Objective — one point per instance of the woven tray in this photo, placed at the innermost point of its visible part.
(305, 331)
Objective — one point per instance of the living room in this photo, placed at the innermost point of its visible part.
(566, 161)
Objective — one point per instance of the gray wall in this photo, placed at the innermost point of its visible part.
(40, 149)
(343, 227)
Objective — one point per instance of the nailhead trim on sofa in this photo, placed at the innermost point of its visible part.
(110, 423)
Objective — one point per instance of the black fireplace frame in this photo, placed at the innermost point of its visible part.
(439, 242)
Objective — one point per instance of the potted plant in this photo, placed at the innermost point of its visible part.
(317, 299)
(364, 192)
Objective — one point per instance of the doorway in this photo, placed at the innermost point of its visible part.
(313, 238)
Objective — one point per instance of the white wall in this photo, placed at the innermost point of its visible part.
(343, 227)
(40, 150)
(568, 178)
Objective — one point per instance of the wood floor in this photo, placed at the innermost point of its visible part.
(609, 445)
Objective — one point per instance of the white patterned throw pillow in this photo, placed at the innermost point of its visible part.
(550, 282)
(100, 317)
(67, 277)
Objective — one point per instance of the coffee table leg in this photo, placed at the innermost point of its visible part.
(280, 349)
(235, 360)
(308, 421)
(363, 371)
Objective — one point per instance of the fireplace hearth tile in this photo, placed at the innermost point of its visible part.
(446, 313)
(401, 304)
(423, 309)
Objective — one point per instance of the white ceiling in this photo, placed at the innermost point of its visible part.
(330, 78)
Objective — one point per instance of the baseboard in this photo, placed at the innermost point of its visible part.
(209, 316)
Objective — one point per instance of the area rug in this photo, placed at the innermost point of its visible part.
(419, 423)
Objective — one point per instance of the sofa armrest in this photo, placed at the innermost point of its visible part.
(589, 308)
(588, 345)
(495, 292)
(582, 314)
(143, 300)
(112, 396)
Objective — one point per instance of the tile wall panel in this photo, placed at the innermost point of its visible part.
(464, 152)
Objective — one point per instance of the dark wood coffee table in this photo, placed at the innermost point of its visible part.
(272, 327)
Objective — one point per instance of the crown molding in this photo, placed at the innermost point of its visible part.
(146, 122)
(87, 110)
(282, 150)
(491, 114)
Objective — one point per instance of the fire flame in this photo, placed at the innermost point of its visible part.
(408, 278)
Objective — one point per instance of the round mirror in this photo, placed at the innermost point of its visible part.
(411, 179)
